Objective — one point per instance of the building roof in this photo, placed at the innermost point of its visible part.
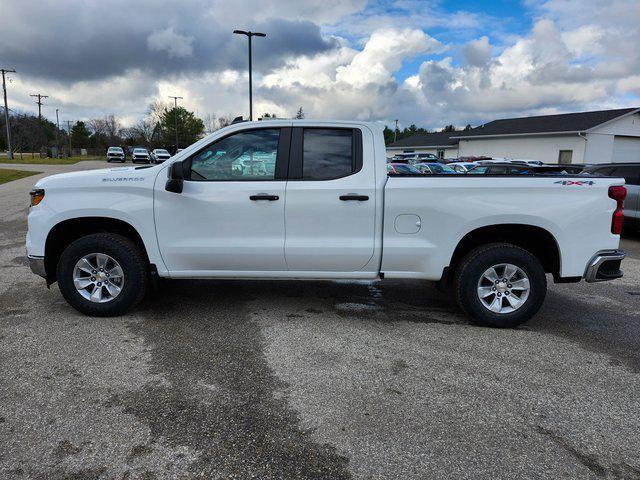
(566, 122)
(439, 139)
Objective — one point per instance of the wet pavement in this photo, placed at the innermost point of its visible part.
(368, 380)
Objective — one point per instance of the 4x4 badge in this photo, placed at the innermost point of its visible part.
(575, 182)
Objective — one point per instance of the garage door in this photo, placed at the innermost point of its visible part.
(626, 149)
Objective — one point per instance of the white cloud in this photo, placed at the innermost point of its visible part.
(344, 62)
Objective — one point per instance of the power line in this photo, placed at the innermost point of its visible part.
(57, 139)
(69, 134)
(39, 102)
(6, 111)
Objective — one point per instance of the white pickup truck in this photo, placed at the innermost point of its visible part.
(312, 200)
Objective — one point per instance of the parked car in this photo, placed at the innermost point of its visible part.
(434, 168)
(140, 155)
(103, 235)
(520, 161)
(115, 154)
(490, 168)
(413, 158)
(572, 169)
(462, 167)
(402, 169)
(631, 174)
(518, 169)
(159, 155)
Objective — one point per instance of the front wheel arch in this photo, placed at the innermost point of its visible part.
(66, 232)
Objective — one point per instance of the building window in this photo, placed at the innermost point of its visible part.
(564, 157)
(440, 154)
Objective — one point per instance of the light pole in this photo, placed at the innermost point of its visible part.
(6, 112)
(249, 35)
(175, 116)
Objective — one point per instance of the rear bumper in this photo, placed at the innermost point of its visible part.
(604, 265)
(37, 265)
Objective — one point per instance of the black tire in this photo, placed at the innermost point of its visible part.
(134, 265)
(471, 269)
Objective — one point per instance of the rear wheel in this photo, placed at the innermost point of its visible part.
(102, 274)
(500, 285)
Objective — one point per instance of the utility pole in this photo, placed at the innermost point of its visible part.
(175, 116)
(249, 36)
(57, 141)
(395, 132)
(39, 102)
(69, 134)
(6, 112)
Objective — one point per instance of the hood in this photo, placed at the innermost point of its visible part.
(102, 177)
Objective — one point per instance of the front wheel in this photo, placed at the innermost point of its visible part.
(500, 285)
(103, 274)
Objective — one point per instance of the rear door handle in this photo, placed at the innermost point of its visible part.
(352, 196)
(264, 196)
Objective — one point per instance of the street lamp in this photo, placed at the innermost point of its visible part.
(175, 116)
(249, 35)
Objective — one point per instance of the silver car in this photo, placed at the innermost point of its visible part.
(631, 173)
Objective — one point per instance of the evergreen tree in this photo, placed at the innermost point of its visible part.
(80, 135)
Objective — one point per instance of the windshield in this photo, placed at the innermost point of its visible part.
(160, 150)
(139, 150)
(115, 150)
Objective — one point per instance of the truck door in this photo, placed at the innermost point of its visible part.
(331, 198)
(230, 214)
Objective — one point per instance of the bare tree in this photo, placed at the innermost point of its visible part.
(224, 121)
(156, 110)
(210, 123)
(112, 128)
(144, 130)
(97, 126)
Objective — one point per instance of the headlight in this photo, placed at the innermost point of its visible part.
(37, 194)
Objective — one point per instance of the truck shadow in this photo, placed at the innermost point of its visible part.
(386, 301)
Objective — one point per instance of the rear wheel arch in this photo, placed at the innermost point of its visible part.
(536, 240)
(66, 232)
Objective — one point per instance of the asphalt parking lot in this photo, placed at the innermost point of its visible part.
(244, 379)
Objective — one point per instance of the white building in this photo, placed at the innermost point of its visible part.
(588, 137)
(439, 144)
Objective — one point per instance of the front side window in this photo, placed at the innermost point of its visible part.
(327, 153)
(248, 155)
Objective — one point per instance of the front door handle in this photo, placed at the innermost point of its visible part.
(353, 196)
(264, 196)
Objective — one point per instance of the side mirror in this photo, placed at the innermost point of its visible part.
(176, 178)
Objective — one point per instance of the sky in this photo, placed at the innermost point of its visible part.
(425, 62)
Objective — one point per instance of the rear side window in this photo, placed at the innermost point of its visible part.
(326, 153)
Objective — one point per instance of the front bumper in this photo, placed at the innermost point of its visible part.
(604, 265)
(37, 265)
